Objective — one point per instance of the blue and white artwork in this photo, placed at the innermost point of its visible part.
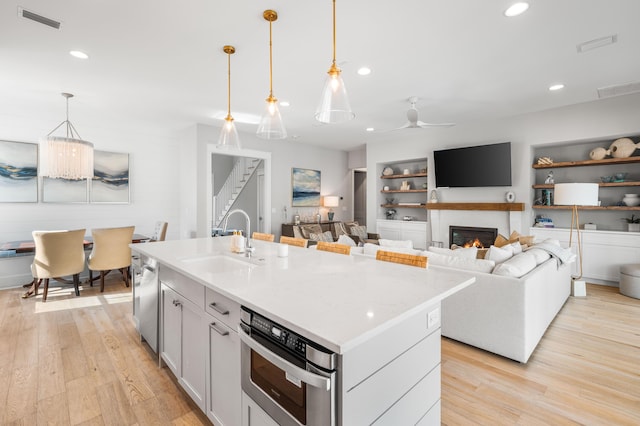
(18, 172)
(110, 183)
(305, 186)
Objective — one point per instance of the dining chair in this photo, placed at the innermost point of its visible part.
(334, 247)
(160, 232)
(110, 252)
(263, 237)
(402, 258)
(298, 242)
(58, 254)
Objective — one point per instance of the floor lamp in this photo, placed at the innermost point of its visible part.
(576, 195)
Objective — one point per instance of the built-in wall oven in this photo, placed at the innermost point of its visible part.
(291, 378)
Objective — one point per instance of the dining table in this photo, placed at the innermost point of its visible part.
(25, 247)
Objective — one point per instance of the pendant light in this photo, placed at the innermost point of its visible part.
(229, 135)
(271, 125)
(67, 157)
(334, 105)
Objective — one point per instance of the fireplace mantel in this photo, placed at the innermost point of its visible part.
(503, 207)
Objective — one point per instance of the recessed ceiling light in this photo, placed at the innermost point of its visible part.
(369, 129)
(364, 71)
(516, 9)
(555, 87)
(285, 103)
(78, 54)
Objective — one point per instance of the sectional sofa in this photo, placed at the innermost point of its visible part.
(511, 304)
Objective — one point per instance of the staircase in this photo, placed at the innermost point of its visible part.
(242, 171)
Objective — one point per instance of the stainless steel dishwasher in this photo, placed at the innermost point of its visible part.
(145, 298)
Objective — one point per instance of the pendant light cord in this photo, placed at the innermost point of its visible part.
(270, 61)
(228, 85)
(334, 32)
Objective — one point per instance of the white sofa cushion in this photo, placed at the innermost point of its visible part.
(539, 254)
(457, 262)
(408, 244)
(499, 254)
(346, 240)
(372, 249)
(517, 266)
(468, 252)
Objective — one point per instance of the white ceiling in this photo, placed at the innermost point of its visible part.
(160, 63)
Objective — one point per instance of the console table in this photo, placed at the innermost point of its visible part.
(287, 228)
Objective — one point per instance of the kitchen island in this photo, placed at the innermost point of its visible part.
(381, 320)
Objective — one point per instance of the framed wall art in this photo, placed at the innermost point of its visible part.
(18, 172)
(305, 187)
(64, 190)
(110, 183)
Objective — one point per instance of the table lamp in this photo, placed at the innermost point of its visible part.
(331, 201)
(575, 195)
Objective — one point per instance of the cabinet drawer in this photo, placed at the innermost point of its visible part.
(188, 288)
(223, 308)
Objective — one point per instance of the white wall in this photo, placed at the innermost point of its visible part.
(602, 119)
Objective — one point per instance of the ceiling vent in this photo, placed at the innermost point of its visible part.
(619, 89)
(597, 43)
(24, 13)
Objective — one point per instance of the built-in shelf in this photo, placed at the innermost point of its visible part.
(505, 207)
(403, 206)
(602, 184)
(411, 175)
(606, 161)
(621, 208)
(389, 191)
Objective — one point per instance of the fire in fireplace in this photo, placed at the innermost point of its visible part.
(470, 236)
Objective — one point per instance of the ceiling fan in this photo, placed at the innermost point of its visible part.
(412, 118)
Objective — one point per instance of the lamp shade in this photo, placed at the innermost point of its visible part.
(331, 201)
(575, 194)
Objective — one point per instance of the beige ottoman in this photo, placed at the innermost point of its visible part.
(630, 280)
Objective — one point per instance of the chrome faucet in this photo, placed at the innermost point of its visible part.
(249, 248)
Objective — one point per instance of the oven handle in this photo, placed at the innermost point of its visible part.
(304, 375)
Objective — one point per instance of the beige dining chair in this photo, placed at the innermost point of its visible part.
(110, 252)
(292, 241)
(333, 247)
(58, 254)
(402, 258)
(263, 237)
(160, 232)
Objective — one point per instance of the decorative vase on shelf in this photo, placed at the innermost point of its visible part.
(623, 148)
(631, 200)
(599, 153)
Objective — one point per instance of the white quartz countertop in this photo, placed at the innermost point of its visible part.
(336, 300)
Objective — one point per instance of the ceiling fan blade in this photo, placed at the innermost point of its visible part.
(406, 125)
(426, 125)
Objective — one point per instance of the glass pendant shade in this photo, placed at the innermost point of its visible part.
(334, 105)
(67, 157)
(229, 135)
(271, 125)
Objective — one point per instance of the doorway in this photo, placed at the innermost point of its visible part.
(360, 196)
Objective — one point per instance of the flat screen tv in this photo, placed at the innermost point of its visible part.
(474, 166)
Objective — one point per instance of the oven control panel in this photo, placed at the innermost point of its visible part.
(279, 334)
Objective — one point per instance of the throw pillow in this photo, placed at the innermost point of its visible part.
(360, 232)
(476, 265)
(517, 266)
(308, 229)
(539, 255)
(517, 248)
(499, 254)
(526, 240)
(408, 244)
(340, 229)
(467, 252)
(323, 236)
(500, 241)
(514, 236)
(346, 240)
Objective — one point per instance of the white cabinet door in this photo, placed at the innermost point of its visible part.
(193, 351)
(253, 415)
(170, 347)
(223, 377)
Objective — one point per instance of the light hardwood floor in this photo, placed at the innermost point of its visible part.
(78, 360)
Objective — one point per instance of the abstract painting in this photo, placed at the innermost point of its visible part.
(305, 185)
(64, 190)
(110, 183)
(18, 172)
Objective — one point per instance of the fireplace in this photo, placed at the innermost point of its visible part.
(466, 236)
